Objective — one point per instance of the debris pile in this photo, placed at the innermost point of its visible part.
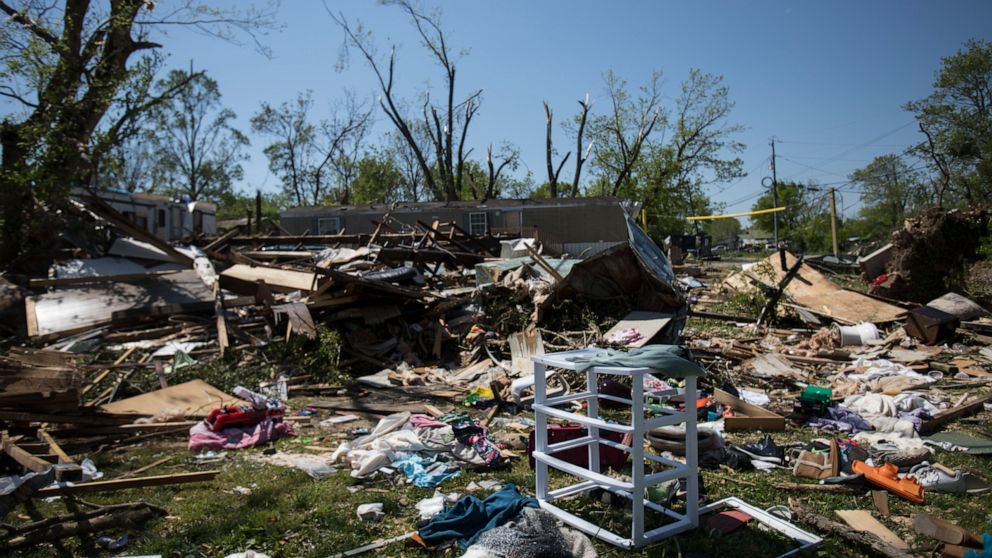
(406, 357)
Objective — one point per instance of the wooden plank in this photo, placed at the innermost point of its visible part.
(880, 498)
(243, 279)
(752, 416)
(31, 317)
(861, 520)
(543, 263)
(943, 417)
(96, 419)
(222, 340)
(124, 484)
(22, 457)
(222, 240)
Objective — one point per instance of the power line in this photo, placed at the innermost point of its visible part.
(870, 142)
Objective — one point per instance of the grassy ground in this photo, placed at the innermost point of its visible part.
(286, 513)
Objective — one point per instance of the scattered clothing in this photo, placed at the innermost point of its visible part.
(841, 419)
(470, 517)
(202, 438)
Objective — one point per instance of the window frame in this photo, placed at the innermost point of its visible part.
(472, 225)
(321, 229)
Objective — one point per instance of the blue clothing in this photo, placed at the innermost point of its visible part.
(470, 517)
(425, 472)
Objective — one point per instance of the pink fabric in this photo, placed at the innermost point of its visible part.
(202, 438)
(424, 421)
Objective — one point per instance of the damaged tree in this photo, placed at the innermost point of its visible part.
(69, 65)
(580, 157)
(443, 159)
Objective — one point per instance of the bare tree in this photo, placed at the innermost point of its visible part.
(580, 134)
(554, 174)
(446, 147)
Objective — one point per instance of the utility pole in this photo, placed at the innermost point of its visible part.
(258, 212)
(774, 192)
(833, 220)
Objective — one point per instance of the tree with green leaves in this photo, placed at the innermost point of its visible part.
(792, 196)
(82, 73)
(199, 152)
(890, 190)
(956, 122)
(316, 162)
(377, 179)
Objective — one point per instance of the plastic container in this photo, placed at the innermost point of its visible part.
(860, 334)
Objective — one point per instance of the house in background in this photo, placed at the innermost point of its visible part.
(563, 225)
(159, 215)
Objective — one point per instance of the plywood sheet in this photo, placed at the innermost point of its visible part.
(815, 291)
(195, 398)
(861, 520)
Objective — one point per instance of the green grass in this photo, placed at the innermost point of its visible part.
(289, 514)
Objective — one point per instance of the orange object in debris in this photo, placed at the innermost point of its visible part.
(887, 476)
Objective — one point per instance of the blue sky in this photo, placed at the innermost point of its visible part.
(825, 78)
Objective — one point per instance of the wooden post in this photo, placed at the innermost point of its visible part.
(258, 212)
(833, 219)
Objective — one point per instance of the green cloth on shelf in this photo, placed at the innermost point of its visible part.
(673, 361)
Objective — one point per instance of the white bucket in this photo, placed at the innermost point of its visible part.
(857, 335)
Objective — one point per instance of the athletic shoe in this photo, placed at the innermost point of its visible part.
(937, 479)
(765, 450)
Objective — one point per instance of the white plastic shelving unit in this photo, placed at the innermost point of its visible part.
(591, 476)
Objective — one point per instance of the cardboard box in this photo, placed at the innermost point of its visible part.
(748, 416)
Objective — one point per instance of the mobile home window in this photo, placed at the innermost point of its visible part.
(328, 225)
(161, 217)
(477, 223)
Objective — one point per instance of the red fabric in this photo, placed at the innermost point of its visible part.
(609, 457)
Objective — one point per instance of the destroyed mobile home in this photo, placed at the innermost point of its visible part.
(465, 352)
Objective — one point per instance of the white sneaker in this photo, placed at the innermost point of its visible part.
(938, 480)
